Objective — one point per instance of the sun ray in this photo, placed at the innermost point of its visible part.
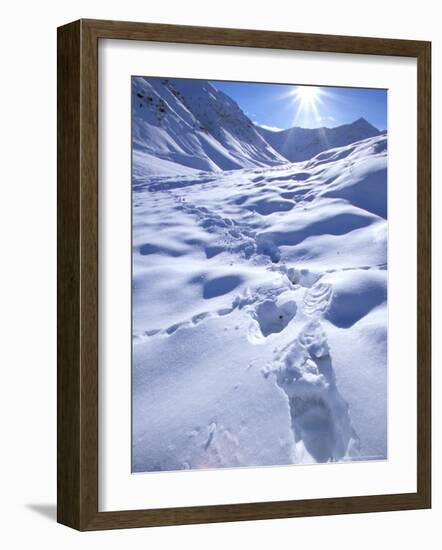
(308, 100)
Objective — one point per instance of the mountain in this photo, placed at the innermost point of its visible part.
(298, 144)
(184, 126)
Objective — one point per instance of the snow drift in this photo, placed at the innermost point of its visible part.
(259, 304)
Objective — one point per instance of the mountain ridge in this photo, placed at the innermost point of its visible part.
(298, 144)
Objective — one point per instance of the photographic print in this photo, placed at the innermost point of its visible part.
(259, 274)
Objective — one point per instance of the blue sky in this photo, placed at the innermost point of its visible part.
(280, 106)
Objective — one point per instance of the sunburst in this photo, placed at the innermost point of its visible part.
(308, 100)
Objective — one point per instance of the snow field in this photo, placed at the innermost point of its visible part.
(259, 312)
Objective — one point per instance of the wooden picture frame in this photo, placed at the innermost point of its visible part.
(78, 274)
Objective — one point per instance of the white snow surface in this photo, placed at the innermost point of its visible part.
(259, 293)
(298, 144)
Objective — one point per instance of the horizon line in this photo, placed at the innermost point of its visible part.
(277, 130)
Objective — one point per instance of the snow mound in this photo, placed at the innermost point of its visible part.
(354, 295)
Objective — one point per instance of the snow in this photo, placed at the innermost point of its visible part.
(298, 144)
(259, 293)
(190, 124)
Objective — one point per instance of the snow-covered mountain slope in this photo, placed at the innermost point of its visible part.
(298, 144)
(260, 313)
(186, 126)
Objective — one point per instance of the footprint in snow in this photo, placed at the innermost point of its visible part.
(320, 416)
(273, 317)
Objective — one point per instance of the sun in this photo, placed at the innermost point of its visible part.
(308, 101)
(307, 96)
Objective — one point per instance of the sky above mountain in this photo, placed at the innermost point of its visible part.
(281, 106)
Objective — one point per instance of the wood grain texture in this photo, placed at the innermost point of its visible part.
(68, 275)
(424, 274)
(252, 38)
(78, 274)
